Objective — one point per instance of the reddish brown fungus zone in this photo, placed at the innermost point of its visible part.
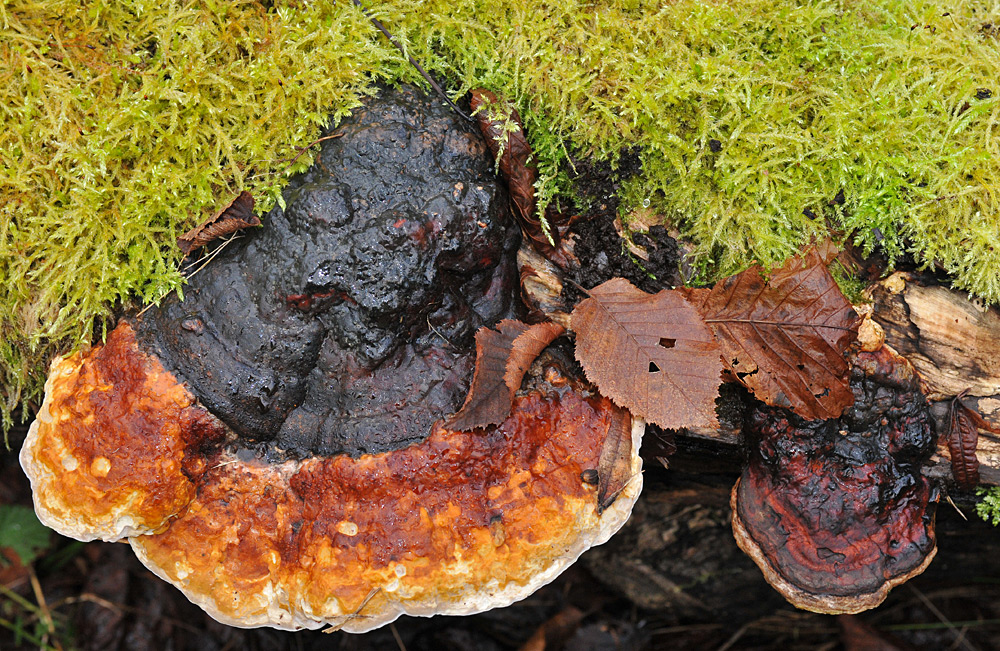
(132, 442)
(333, 528)
(835, 512)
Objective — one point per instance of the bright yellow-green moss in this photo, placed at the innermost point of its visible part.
(988, 506)
(123, 123)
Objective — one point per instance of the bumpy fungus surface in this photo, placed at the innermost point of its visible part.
(277, 435)
(835, 512)
(345, 325)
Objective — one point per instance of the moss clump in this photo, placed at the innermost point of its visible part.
(988, 507)
(124, 123)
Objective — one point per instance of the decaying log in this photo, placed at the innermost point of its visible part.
(954, 345)
(952, 342)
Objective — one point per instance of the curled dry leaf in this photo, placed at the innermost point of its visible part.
(526, 347)
(963, 425)
(786, 337)
(500, 124)
(650, 353)
(614, 468)
(489, 399)
(237, 215)
(963, 438)
(503, 357)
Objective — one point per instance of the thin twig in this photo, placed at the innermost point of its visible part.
(413, 62)
(214, 253)
(438, 333)
(734, 638)
(959, 635)
(399, 640)
(356, 614)
(90, 597)
(43, 608)
(203, 261)
(955, 506)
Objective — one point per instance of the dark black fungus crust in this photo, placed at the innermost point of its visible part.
(839, 506)
(346, 323)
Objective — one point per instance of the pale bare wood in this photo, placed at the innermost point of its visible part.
(953, 343)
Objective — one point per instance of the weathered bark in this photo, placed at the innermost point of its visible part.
(955, 346)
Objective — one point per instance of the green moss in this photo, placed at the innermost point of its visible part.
(988, 507)
(122, 124)
(850, 284)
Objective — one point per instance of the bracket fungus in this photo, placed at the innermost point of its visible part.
(835, 512)
(274, 444)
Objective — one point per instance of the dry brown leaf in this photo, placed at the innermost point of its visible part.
(555, 632)
(500, 124)
(614, 468)
(785, 338)
(858, 635)
(528, 345)
(963, 439)
(237, 215)
(489, 400)
(650, 353)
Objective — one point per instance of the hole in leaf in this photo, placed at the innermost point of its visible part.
(653, 368)
(824, 393)
(801, 367)
(666, 342)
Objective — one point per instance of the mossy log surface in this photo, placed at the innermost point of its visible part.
(755, 125)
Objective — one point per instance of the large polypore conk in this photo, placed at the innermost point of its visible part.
(273, 444)
(835, 512)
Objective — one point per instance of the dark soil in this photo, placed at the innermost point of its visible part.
(602, 252)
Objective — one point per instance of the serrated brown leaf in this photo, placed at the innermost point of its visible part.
(963, 439)
(650, 353)
(614, 467)
(236, 215)
(785, 338)
(513, 153)
(528, 345)
(489, 399)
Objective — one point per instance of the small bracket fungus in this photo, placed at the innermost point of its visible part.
(835, 512)
(274, 444)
